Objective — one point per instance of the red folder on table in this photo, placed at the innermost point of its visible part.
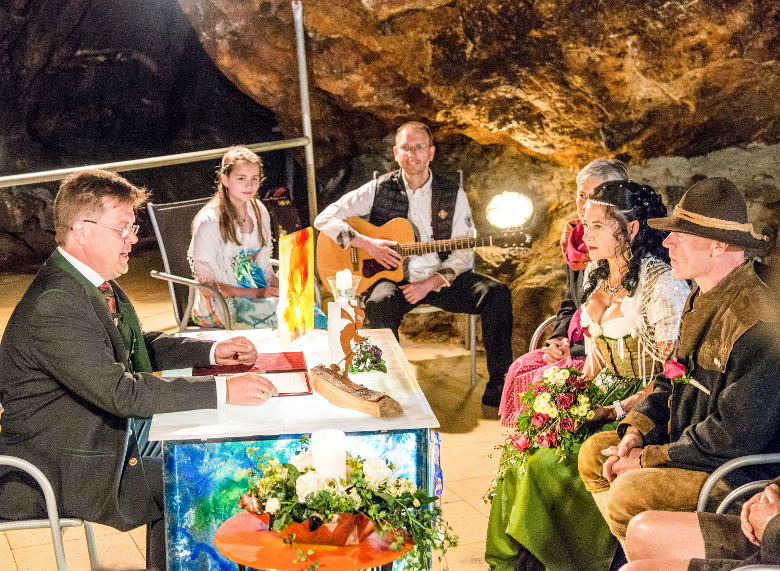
(286, 370)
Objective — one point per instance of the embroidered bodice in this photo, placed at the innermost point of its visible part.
(636, 344)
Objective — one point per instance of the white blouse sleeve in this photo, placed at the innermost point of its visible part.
(205, 247)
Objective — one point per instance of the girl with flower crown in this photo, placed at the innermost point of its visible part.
(630, 316)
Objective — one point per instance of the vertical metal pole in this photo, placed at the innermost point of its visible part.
(311, 182)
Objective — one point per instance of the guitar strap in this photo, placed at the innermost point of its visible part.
(390, 201)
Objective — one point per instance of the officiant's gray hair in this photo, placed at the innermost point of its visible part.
(603, 170)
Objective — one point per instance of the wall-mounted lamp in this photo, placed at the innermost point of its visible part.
(510, 210)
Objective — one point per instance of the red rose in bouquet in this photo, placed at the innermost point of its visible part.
(553, 410)
(547, 440)
(521, 442)
(565, 400)
(568, 424)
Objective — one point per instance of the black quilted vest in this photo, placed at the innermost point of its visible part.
(391, 202)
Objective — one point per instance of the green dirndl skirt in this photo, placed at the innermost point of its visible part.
(547, 510)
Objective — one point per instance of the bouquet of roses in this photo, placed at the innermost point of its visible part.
(293, 493)
(555, 408)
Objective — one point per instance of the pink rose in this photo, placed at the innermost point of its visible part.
(581, 384)
(674, 370)
(565, 400)
(539, 388)
(567, 424)
(538, 419)
(521, 442)
(548, 440)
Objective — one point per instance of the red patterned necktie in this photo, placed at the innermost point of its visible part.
(108, 293)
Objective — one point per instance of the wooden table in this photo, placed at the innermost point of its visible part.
(205, 455)
(246, 540)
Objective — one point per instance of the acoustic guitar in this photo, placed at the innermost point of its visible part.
(331, 258)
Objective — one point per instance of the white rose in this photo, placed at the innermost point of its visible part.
(302, 460)
(271, 505)
(377, 471)
(308, 483)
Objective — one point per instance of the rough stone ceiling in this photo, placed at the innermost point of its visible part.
(564, 80)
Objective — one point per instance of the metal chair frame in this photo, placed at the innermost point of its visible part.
(538, 336)
(54, 521)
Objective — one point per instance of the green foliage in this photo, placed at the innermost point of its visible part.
(395, 506)
(367, 357)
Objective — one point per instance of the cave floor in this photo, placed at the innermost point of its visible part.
(468, 431)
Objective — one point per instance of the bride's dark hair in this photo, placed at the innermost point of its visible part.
(629, 201)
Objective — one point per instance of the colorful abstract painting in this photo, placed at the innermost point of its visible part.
(203, 481)
(296, 285)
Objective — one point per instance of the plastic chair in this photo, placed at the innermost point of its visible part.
(54, 522)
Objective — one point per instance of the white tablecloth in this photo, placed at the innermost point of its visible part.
(304, 414)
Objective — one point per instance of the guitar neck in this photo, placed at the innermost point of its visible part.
(419, 248)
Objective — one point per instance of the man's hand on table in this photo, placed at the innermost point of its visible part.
(235, 351)
(249, 389)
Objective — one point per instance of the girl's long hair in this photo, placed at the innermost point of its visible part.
(228, 217)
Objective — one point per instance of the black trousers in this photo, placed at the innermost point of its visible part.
(469, 293)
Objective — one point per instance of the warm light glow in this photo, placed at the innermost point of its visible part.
(510, 210)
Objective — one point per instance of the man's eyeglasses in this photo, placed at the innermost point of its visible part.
(409, 150)
(122, 231)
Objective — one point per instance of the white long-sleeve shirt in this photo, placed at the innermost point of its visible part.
(359, 202)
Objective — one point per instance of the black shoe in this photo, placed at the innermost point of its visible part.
(492, 396)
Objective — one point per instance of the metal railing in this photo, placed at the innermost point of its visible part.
(152, 162)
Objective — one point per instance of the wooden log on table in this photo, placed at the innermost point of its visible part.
(344, 393)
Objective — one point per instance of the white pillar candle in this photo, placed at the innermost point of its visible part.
(344, 280)
(329, 453)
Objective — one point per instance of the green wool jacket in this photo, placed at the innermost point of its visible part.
(69, 395)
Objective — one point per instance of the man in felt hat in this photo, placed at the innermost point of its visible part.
(720, 398)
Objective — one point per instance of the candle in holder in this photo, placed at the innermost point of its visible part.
(329, 453)
(344, 280)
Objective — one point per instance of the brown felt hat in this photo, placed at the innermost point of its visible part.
(713, 208)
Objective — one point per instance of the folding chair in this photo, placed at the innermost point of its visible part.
(173, 228)
(54, 521)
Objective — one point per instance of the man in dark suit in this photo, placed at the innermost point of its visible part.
(76, 373)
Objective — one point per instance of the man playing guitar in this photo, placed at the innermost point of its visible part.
(438, 210)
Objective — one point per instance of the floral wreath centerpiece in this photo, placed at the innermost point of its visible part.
(308, 509)
(555, 410)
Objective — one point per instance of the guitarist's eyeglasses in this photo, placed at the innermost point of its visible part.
(409, 150)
